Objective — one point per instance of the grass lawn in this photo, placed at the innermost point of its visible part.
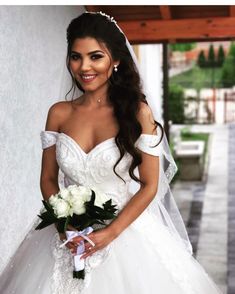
(198, 78)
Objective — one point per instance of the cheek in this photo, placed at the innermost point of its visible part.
(72, 67)
(104, 68)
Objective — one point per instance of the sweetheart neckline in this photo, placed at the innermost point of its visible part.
(79, 146)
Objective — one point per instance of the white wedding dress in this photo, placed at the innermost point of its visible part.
(144, 259)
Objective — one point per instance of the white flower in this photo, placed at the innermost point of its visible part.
(79, 192)
(62, 208)
(53, 200)
(65, 194)
(85, 193)
(78, 206)
(79, 195)
(100, 198)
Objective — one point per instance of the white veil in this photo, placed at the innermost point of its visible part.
(163, 203)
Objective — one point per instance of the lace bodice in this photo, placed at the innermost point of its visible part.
(95, 168)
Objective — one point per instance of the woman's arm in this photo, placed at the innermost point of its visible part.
(49, 170)
(49, 167)
(148, 173)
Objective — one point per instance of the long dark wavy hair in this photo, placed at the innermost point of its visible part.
(124, 91)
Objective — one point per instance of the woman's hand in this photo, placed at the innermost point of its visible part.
(101, 238)
(72, 246)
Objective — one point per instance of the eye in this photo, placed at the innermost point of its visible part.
(96, 56)
(74, 56)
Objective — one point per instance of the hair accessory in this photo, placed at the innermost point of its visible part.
(110, 18)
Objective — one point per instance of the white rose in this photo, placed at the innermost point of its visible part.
(100, 198)
(62, 208)
(78, 206)
(53, 200)
(85, 193)
(79, 193)
(65, 194)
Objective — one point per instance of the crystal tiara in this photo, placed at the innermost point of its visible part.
(110, 18)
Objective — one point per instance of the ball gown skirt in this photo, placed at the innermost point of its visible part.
(145, 258)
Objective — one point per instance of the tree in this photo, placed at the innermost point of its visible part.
(211, 56)
(221, 56)
(201, 60)
(176, 104)
(232, 49)
(228, 69)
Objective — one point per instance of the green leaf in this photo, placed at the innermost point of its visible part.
(47, 205)
(61, 225)
(92, 201)
(47, 216)
(42, 225)
(66, 223)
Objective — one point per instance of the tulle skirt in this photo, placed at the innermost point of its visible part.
(144, 259)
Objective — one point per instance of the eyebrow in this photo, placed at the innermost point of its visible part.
(90, 53)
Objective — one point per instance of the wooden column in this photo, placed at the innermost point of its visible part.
(165, 89)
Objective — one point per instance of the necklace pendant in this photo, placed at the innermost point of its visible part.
(98, 100)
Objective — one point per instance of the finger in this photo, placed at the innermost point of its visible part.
(91, 250)
(77, 239)
(86, 255)
(71, 246)
(87, 246)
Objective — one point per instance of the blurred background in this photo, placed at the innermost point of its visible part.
(187, 57)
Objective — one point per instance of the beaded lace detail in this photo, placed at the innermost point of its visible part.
(95, 169)
(62, 280)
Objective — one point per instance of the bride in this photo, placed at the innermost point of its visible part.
(108, 139)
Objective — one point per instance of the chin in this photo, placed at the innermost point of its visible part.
(89, 88)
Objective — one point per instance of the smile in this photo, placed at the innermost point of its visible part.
(88, 78)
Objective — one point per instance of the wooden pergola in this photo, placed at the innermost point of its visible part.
(170, 24)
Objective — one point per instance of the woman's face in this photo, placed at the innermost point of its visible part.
(91, 64)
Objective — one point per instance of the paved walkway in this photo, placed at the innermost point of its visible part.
(204, 207)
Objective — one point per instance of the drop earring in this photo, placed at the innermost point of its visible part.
(115, 67)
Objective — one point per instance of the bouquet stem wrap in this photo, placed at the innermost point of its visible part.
(79, 264)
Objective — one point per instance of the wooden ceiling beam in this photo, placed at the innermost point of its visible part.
(91, 8)
(232, 10)
(166, 15)
(154, 31)
(165, 11)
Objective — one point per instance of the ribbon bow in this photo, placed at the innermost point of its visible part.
(72, 234)
(79, 264)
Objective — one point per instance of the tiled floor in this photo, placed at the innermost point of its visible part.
(231, 211)
(208, 208)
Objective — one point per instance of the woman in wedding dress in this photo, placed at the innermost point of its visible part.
(108, 139)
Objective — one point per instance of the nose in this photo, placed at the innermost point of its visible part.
(85, 65)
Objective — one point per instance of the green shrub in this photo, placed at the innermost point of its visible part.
(221, 56)
(182, 47)
(228, 69)
(201, 60)
(211, 56)
(176, 104)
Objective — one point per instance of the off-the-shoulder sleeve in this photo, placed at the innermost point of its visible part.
(48, 138)
(147, 142)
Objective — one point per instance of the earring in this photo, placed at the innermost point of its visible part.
(115, 67)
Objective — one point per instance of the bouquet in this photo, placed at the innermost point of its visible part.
(82, 208)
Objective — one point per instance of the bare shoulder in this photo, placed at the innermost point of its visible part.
(57, 114)
(146, 119)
